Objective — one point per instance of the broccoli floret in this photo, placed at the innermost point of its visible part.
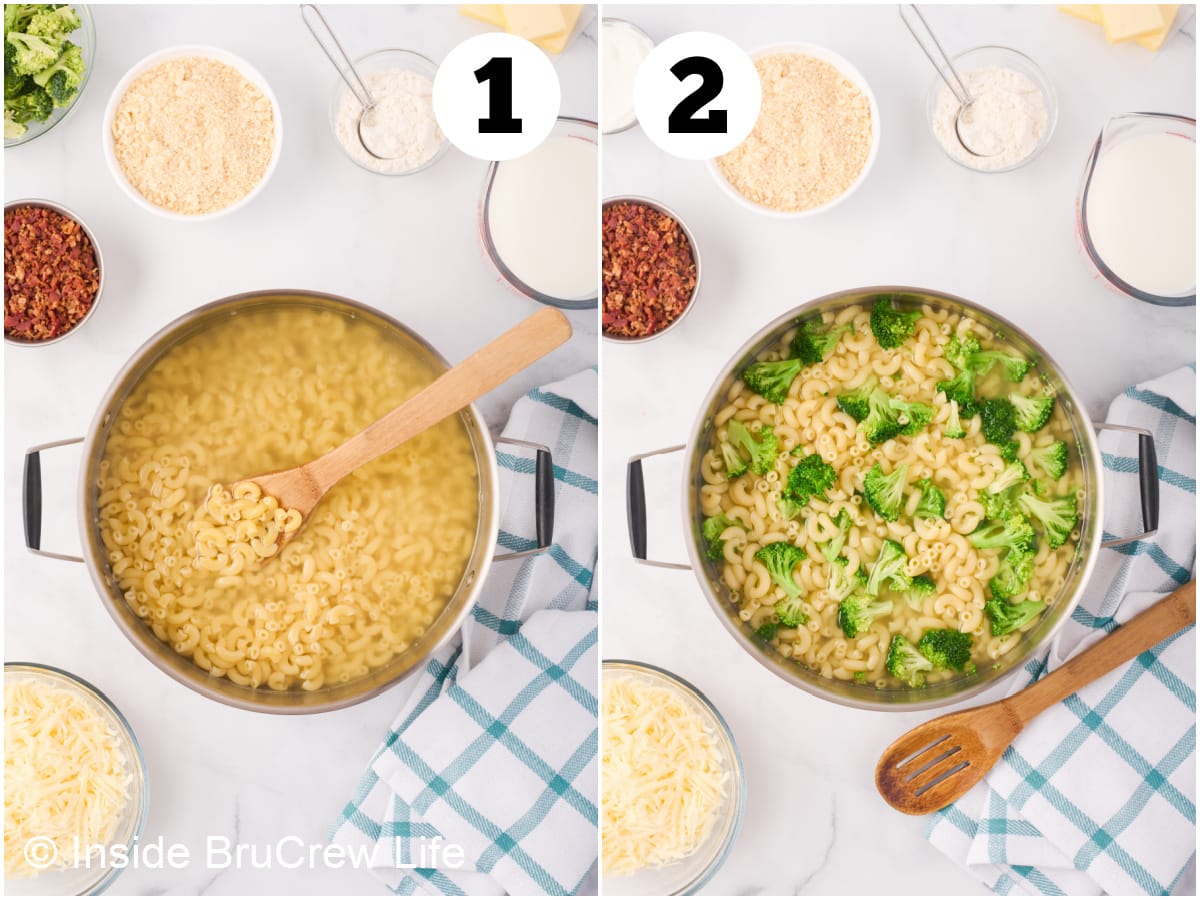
(842, 582)
(772, 379)
(999, 420)
(16, 85)
(997, 506)
(906, 663)
(711, 530)
(885, 493)
(17, 15)
(1031, 413)
(53, 22)
(954, 428)
(1011, 476)
(767, 630)
(780, 558)
(1006, 617)
(1013, 532)
(1057, 516)
(857, 612)
(789, 508)
(62, 79)
(920, 589)
(889, 567)
(860, 677)
(1013, 577)
(1051, 459)
(759, 455)
(811, 477)
(959, 349)
(946, 648)
(791, 612)
(735, 464)
(892, 326)
(932, 504)
(912, 417)
(12, 128)
(814, 340)
(832, 548)
(856, 403)
(34, 106)
(1014, 367)
(961, 390)
(32, 54)
(879, 414)
(882, 422)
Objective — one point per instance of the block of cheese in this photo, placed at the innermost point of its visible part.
(533, 21)
(556, 43)
(491, 13)
(1155, 39)
(1123, 21)
(1089, 12)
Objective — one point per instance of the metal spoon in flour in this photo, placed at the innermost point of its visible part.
(357, 87)
(961, 94)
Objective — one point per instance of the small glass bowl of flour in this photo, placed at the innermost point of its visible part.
(1011, 119)
(401, 126)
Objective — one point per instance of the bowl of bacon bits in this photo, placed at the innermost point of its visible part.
(650, 269)
(52, 273)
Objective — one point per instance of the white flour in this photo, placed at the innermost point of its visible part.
(401, 126)
(1004, 124)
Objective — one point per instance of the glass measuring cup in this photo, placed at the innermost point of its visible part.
(1117, 131)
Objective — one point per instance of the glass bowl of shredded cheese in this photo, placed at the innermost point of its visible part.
(75, 784)
(672, 781)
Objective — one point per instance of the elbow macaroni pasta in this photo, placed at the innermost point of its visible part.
(379, 558)
(810, 420)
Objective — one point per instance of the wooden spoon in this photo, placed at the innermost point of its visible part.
(302, 487)
(936, 763)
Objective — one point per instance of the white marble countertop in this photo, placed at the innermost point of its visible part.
(814, 823)
(405, 245)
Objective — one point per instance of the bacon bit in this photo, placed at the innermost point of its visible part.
(648, 270)
(50, 273)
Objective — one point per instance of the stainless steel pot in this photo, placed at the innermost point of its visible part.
(866, 696)
(183, 669)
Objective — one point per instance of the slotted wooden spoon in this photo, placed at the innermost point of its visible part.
(301, 488)
(936, 763)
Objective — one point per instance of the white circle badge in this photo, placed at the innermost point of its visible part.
(496, 96)
(697, 95)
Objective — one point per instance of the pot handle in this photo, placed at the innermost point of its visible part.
(1147, 482)
(31, 499)
(543, 499)
(635, 508)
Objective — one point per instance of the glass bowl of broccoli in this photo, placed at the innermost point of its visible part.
(48, 54)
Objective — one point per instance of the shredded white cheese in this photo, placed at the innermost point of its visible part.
(663, 776)
(65, 774)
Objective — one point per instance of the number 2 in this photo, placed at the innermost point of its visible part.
(683, 119)
(498, 74)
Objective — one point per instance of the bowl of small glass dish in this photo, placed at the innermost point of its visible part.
(154, 61)
(564, 127)
(615, 23)
(91, 878)
(848, 71)
(1005, 57)
(691, 239)
(13, 341)
(694, 871)
(386, 60)
(85, 38)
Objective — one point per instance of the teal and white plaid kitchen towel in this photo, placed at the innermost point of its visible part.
(495, 752)
(1098, 794)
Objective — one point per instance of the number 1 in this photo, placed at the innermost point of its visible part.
(497, 72)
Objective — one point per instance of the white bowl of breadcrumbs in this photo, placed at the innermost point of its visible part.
(815, 140)
(192, 132)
